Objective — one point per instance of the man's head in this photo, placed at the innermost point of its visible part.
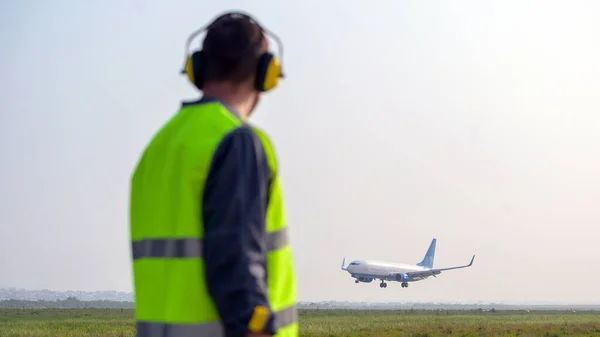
(232, 49)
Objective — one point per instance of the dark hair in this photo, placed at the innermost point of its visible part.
(232, 47)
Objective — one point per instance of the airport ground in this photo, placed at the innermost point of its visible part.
(324, 323)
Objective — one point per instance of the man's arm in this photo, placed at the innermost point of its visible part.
(234, 208)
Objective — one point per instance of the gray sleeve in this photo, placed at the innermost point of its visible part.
(234, 210)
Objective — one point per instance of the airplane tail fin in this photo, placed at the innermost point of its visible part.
(428, 259)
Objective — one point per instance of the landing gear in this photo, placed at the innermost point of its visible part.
(404, 284)
(382, 285)
(356, 281)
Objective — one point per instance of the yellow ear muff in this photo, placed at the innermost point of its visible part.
(272, 75)
(268, 72)
(194, 68)
(269, 67)
(189, 69)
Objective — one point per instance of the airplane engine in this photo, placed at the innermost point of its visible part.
(365, 279)
(401, 277)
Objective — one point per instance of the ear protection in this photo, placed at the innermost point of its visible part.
(269, 69)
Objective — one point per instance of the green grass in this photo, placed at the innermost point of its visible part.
(448, 323)
(324, 323)
(66, 322)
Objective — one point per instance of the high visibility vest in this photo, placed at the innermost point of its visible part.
(166, 228)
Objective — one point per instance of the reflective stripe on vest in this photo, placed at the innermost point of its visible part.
(192, 247)
(282, 319)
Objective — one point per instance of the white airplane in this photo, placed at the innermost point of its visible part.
(367, 271)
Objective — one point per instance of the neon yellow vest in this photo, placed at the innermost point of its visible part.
(166, 229)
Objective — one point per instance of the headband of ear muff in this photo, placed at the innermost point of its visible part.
(269, 69)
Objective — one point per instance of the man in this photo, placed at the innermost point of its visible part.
(208, 228)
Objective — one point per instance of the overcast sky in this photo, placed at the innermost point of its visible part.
(475, 122)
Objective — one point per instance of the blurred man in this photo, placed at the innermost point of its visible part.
(209, 236)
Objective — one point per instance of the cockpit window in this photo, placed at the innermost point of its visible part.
(353, 264)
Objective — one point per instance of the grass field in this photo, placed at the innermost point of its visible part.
(323, 323)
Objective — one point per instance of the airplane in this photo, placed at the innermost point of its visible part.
(367, 271)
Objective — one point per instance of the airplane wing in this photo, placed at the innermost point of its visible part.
(421, 275)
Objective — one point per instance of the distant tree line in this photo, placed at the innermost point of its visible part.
(68, 303)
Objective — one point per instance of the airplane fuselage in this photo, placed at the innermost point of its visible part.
(369, 270)
(366, 270)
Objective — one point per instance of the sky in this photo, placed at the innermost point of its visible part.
(474, 122)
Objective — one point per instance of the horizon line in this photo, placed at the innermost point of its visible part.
(458, 302)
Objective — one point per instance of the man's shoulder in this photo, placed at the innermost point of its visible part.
(242, 142)
(260, 133)
(267, 145)
(242, 136)
(240, 157)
